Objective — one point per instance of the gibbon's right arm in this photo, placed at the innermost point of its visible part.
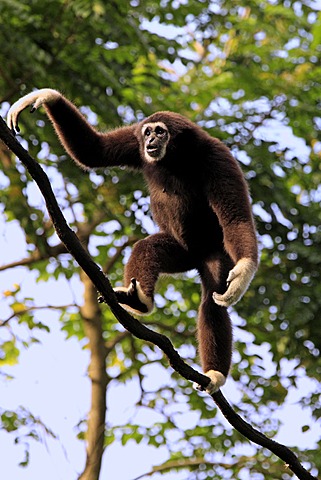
(89, 148)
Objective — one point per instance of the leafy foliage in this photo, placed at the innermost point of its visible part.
(250, 75)
(24, 426)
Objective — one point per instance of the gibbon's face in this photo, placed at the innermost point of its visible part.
(155, 137)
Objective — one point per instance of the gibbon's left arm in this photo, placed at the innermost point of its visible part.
(88, 147)
(229, 198)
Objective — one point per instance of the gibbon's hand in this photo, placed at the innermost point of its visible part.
(36, 99)
(238, 281)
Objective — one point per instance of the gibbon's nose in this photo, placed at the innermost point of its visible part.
(151, 139)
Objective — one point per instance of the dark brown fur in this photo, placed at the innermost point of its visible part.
(199, 199)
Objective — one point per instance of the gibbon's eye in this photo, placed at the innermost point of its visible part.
(147, 132)
(160, 131)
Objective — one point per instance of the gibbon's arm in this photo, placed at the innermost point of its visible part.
(229, 198)
(89, 148)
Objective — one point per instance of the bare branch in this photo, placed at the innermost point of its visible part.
(33, 308)
(101, 282)
(181, 464)
(84, 231)
(36, 256)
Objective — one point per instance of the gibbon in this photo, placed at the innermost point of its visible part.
(199, 200)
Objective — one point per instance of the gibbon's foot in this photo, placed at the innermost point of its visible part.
(217, 381)
(134, 299)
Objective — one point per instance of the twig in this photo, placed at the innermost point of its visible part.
(36, 256)
(101, 282)
(192, 462)
(33, 308)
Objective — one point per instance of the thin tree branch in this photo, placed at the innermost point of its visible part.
(36, 257)
(101, 282)
(33, 308)
(84, 231)
(181, 464)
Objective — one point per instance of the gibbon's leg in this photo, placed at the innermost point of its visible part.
(214, 324)
(156, 254)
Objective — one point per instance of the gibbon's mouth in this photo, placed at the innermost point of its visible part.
(152, 150)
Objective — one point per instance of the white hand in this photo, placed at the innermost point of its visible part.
(238, 281)
(36, 99)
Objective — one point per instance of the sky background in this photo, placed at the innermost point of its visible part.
(51, 381)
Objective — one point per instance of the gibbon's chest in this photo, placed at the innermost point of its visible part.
(169, 192)
(178, 203)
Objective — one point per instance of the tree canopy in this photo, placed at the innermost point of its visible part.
(249, 75)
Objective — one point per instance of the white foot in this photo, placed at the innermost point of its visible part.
(217, 381)
(133, 299)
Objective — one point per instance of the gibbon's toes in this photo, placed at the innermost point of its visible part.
(100, 299)
(132, 289)
(133, 298)
(196, 386)
(217, 381)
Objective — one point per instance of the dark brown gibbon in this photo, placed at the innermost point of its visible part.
(199, 199)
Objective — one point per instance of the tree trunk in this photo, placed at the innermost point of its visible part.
(97, 373)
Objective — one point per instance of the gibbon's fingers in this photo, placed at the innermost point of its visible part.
(238, 281)
(36, 99)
